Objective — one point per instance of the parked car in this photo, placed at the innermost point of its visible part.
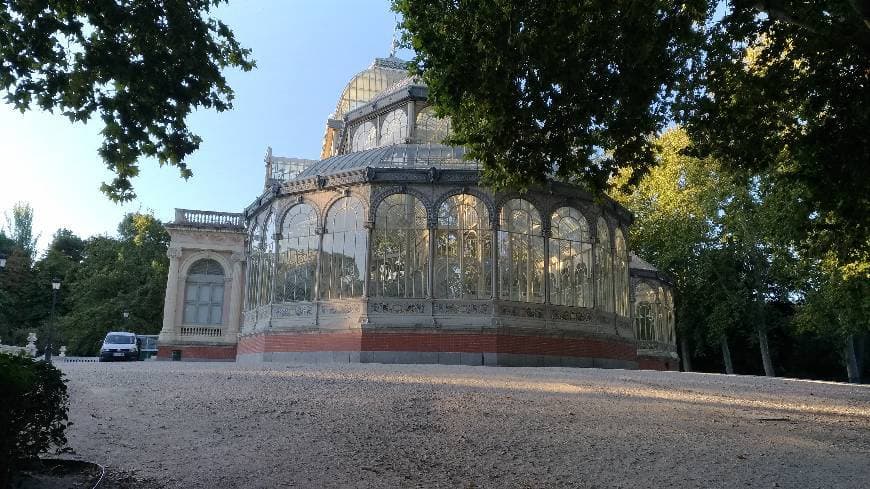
(119, 345)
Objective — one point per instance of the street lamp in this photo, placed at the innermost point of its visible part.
(55, 286)
(126, 320)
(2, 261)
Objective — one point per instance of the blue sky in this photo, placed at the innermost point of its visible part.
(306, 52)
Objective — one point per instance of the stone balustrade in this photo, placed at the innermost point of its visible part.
(191, 217)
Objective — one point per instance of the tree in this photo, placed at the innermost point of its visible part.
(556, 86)
(713, 234)
(117, 274)
(20, 228)
(782, 91)
(142, 67)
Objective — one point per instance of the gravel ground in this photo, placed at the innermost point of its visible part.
(224, 426)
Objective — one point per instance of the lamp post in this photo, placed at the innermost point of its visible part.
(2, 261)
(55, 286)
(126, 317)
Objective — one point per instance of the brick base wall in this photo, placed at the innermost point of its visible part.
(222, 353)
(504, 349)
(658, 363)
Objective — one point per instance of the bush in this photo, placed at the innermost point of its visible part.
(33, 411)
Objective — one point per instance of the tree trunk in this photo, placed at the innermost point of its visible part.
(765, 352)
(684, 349)
(851, 360)
(726, 355)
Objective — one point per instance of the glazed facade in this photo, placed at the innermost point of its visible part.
(389, 249)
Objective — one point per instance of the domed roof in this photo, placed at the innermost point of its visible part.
(369, 83)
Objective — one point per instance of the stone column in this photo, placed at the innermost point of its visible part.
(168, 332)
(236, 292)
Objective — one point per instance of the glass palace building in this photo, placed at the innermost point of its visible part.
(387, 249)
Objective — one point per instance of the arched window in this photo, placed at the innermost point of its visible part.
(620, 273)
(204, 293)
(255, 251)
(266, 261)
(604, 263)
(364, 137)
(431, 129)
(394, 128)
(400, 249)
(645, 312)
(297, 255)
(520, 253)
(570, 259)
(344, 251)
(463, 249)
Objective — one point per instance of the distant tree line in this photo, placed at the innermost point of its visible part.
(101, 277)
(758, 204)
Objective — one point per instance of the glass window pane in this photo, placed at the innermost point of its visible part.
(344, 250)
(521, 253)
(463, 256)
(400, 249)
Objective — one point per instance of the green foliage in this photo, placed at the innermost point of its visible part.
(782, 91)
(141, 66)
(554, 86)
(116, 275)
(19, 228)
(33, 411)
(100, 278)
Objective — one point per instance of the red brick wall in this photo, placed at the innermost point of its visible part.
(191, 352)
(656, 363)
(437, 342)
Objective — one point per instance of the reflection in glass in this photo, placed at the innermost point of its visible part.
(400, 249)
(620, 273)
(570, 259)
(297, 255)
(430, 128)
(604, 264)
(394, 128)
(520, 253)
(364, 137)
(463, 249)
(344, 251)
(645, 313)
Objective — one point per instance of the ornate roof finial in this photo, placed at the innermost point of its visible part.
(394, 45)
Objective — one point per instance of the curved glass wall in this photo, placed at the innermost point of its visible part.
(256, 250)
(604, 264)
(430, 128)
(520, 253)
(344, 251)
(297, 255)
(400, 249)
(365, 86)
(463, 249)
(365, 136)
(645, 313)
(394, 128)
(267, 261)
(570, 259)
(620, 273)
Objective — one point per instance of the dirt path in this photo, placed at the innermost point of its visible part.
(226, 426)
